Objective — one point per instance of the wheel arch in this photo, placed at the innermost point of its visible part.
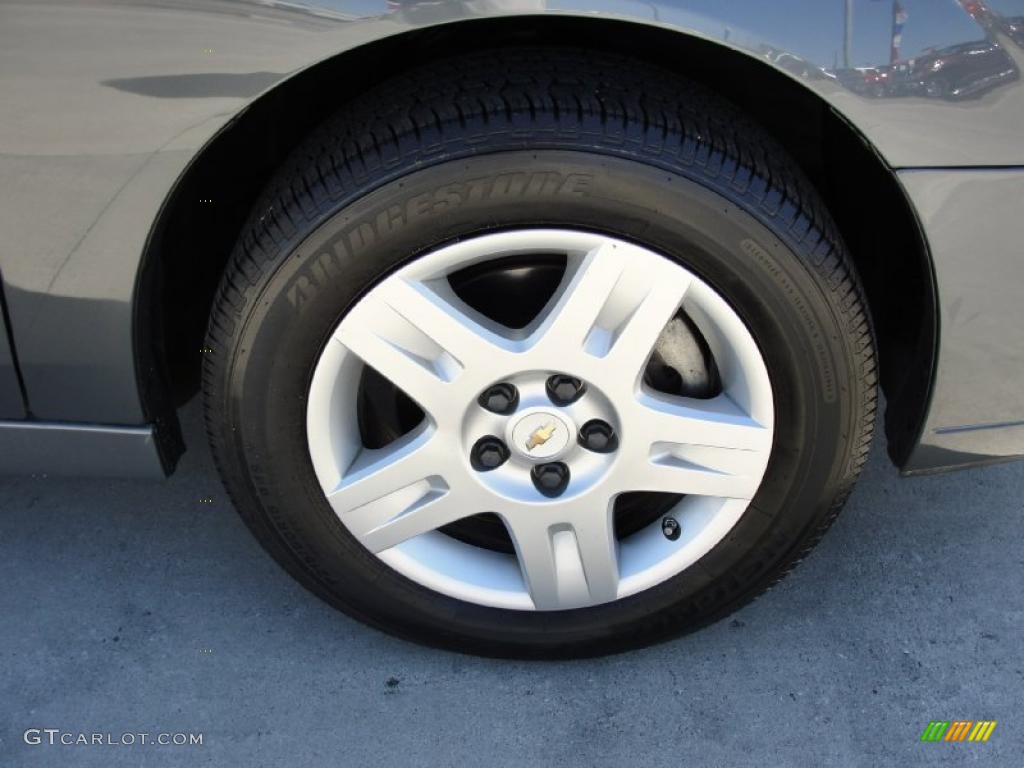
(189, 244)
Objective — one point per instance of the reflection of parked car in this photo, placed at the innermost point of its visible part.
(867, 81)
(961, 71)
(797, 65)
(1014, 27)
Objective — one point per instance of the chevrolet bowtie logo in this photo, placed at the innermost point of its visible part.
(540, 435)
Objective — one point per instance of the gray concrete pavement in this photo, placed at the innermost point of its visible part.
(110, 592)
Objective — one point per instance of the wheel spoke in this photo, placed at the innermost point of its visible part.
(610, 310)
(701, 471)
(569, 564)
(420, 378)
(599, 553)
(380, 473)
(469, 343)
(640, 333)
(420, 342)
(574, 313)
(716, 422)
(394, 493)
(434, 509)
(699, 447)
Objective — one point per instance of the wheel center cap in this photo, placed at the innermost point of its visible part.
(540, 435)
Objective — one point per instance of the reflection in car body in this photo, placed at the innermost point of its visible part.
(961, 71)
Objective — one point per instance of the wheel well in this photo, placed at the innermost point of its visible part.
(190, 243)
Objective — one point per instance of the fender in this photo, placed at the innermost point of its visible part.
(97, 137)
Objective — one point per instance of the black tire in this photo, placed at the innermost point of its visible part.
(532, 137)
(938, 88)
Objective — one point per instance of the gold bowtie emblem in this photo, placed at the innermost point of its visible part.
(540, 436)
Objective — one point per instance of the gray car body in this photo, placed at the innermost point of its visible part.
(106, 104)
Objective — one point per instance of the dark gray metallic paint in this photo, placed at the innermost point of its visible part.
(78, 449)
(11, 404)
(975, 224)
(107, 102)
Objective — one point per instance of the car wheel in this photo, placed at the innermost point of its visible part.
(539, 353)
(937, 88)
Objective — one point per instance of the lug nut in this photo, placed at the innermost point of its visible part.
(488, 453)
(501, 398)
(671, 528)
(563, 389)
(598, 436)
(550, 479)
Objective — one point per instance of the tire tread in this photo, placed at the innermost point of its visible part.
(550, 98)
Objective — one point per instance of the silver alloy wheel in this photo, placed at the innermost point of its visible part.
(599, 327)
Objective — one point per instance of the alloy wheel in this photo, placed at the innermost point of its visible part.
(544, 426)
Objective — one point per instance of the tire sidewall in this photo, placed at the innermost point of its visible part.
(331, 261)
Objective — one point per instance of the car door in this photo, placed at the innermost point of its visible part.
(12, 406)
